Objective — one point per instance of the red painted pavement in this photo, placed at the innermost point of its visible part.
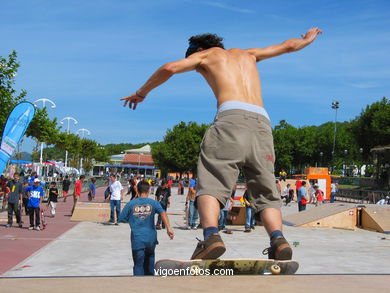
(16, 244)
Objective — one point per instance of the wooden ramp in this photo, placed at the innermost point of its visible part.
(376, 218)
(247, 284)
(342, 216)
(92, 212)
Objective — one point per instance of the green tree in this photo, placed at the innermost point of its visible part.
(180, 148)
(41, 127)
(8, 96)
(372, 127)
(284, 143)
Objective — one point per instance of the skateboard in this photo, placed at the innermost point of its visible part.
(43, 221)
(226, 267)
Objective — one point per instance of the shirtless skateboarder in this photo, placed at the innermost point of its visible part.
(239, 138)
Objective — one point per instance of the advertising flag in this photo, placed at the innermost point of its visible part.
(15, 127)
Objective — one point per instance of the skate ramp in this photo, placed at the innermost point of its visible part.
(376, 218)
(92, 212)
(342, 216)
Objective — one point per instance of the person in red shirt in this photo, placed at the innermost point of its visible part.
(170, 183)
(77, 191)
(319, 195)
(298, 185)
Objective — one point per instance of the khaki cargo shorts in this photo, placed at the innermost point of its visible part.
(239, 140)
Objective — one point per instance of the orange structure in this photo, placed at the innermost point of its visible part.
(321, 177)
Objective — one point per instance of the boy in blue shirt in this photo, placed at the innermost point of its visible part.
(139, 213)
(36, 194)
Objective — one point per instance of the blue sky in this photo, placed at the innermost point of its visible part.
(86, 55)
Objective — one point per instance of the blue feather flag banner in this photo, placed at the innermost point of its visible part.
(15, 127)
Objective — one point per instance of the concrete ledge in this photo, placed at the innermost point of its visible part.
(295, 283)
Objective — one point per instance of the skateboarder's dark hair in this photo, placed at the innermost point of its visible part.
(143, 187)
(204, 41)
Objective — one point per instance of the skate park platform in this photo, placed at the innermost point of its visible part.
(376, 218)
(92, 212)
(269, 284)
(343, 216)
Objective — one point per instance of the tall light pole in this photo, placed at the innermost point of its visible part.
(67, 131)
(321, 154)
(83, 132)
(335, 106)
(345, 162)
(53, 106)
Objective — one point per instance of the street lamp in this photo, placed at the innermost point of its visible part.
(361, 160)
(83, 131)
(345, 161)
(321, 154)
(53, 106)
(67, 131)
(335, 106)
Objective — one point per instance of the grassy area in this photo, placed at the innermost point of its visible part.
(346, 186)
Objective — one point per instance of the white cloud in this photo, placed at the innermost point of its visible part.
(228, 7)
(364, 85)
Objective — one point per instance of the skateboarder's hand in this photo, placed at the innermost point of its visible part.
(312, 34)
(133, 100)
(170, 232)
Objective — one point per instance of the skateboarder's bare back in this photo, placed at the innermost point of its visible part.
(239, 139)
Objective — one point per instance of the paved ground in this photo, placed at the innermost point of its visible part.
(17, 244)
(93, 249)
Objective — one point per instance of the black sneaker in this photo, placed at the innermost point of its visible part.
(247, 229)
(280, 249)
(212, 248)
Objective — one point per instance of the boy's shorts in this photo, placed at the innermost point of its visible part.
(239, 140)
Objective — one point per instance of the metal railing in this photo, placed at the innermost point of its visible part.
(361, 196)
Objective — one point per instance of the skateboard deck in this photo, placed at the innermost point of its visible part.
(235, 266)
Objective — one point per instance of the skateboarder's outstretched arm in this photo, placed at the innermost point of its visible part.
(288, 46)
(163, 74)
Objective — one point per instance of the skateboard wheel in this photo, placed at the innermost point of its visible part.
(194, 270)
(275, 269)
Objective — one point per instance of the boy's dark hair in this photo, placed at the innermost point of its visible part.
(93, 179)
(53, 183)
(164, 182)
(82, 176)
(143, 187)
(204, 41)
(66, 176)
(303, 182)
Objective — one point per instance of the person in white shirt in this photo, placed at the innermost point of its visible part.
(115, 198)
(333, 190)
(312, 192)
(384, 201)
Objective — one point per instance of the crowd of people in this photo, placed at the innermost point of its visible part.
(25, 193)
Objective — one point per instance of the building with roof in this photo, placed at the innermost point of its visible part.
(133, 161)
